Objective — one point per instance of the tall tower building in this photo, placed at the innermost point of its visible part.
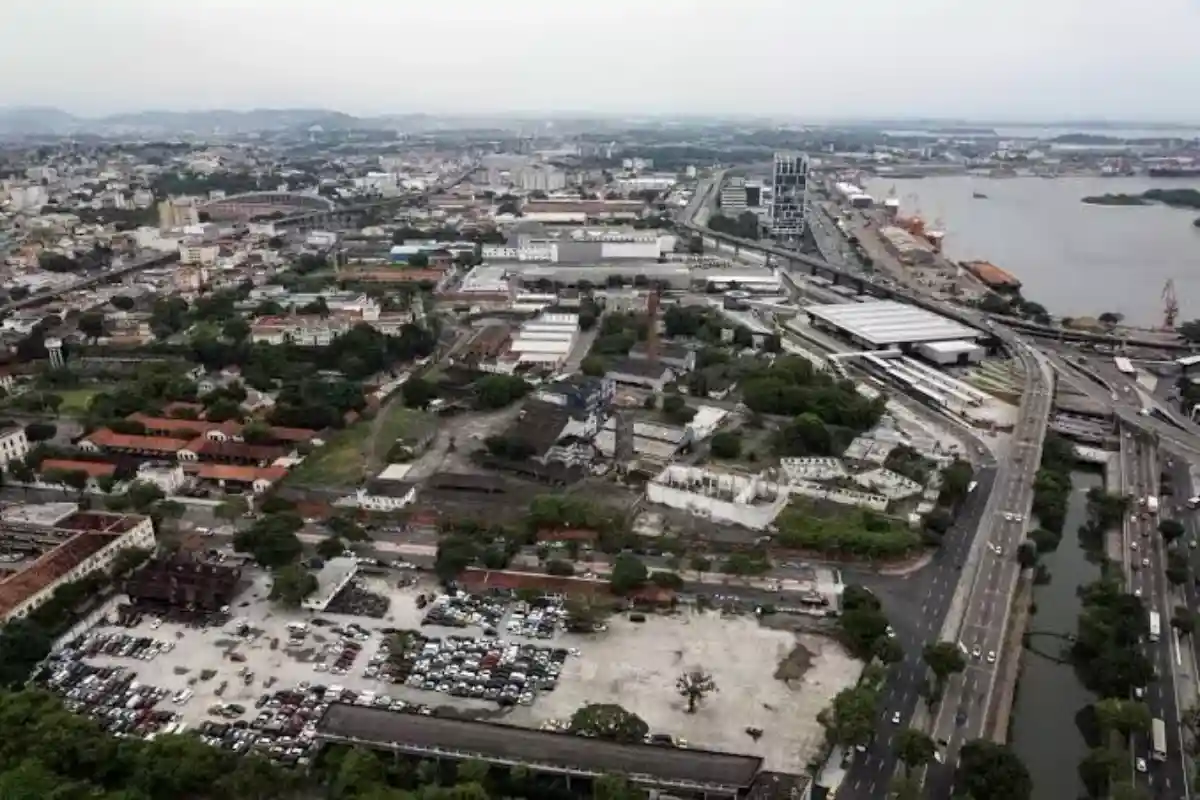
(790, 185)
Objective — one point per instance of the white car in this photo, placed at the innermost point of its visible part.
(1133, 545)
(1140, 764)
(991, 659)
(1009, 517)
(1139, 692)
(1145, 562)
(896, 718)
(1137, 592)
(977, 652)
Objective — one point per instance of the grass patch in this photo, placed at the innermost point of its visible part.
(339, 463)
(75, 401)
(843, 531)
(406, 424)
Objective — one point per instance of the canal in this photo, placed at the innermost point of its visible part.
(1045, 728)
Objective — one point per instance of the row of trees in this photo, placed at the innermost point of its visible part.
(856, 533)
(48, 752)
(1052, 484)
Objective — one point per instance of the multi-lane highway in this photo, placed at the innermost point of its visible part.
(1147, 560)
(927, 595)
(989, 585)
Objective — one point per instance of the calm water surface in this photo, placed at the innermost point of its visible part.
(1049, 696)
(1075, 259)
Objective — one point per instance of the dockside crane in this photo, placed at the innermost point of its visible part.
(1170, 304)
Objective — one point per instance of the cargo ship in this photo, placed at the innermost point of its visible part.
(991, 275)
(916, 226)
(1177, 169)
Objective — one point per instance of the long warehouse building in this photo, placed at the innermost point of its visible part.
(891, 325)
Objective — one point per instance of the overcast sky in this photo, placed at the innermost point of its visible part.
(799, 59)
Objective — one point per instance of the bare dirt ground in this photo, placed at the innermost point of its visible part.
(775, 680)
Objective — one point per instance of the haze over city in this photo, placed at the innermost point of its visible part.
(1024, 59)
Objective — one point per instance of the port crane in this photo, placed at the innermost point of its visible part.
(1170, 304)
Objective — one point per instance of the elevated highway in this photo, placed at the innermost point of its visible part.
(137, 265)
(707, 191)
(976, 611)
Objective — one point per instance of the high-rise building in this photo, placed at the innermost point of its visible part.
(733, 196)
(177, 212)
(790, 184)
(540, 178)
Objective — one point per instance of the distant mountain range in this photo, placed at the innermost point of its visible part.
(33, 121)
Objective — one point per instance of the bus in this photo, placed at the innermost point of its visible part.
(1158, 740)
(1155, 626)
(1124, 365)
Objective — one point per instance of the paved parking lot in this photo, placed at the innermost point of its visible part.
(632, 664)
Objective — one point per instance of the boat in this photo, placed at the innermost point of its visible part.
(979, 195)
(1174, 172)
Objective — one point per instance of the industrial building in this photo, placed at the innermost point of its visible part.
(762, 281)
(334, 576)
(682, 772)
(889, 325)
(789, 182)
(65, 545)
(672, 276)
(546, 340)
(723, 497)
(182, 582)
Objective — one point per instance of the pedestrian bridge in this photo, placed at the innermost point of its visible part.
(1044, 648)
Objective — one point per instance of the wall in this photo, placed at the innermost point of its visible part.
(670, 489)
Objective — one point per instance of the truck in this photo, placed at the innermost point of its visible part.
(1193, 502)
(1155, 626)
(1152, 504)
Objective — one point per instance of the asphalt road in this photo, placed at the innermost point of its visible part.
(962, 712)
(917, 608)
(1147, 559)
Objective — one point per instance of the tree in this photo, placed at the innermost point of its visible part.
(694, 686)
(856, 597)
(915, 748)
(331, 547)
(236, 329)
(1098, 768)
(905, 787)
(91, 324)
(956, 482)
(122, 302)
(1183, 620)
(726, 444)
(271, 540)
(230, 509)
(1027, 555)
(943, 659)
(594, 366)
(556, 566)
(614, 787)
(628, 574)
(851, 716)
(418, 392)
(40, 431)
(1128, 791)
(472, 771)
(1170, 529)
(22, 645)
(1123, 716)
(610, 722)
(1110, 319)
(989, 771)
(418, 260)
(292, 584)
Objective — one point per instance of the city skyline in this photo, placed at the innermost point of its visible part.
(930, 58)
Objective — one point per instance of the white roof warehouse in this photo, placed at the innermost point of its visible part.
(887, 324)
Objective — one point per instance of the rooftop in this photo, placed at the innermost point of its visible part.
(490, 740)
(49, 567)
(888, 322)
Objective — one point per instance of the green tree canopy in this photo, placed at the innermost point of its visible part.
(610, 722)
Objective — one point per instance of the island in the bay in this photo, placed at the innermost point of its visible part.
(1176, 198)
